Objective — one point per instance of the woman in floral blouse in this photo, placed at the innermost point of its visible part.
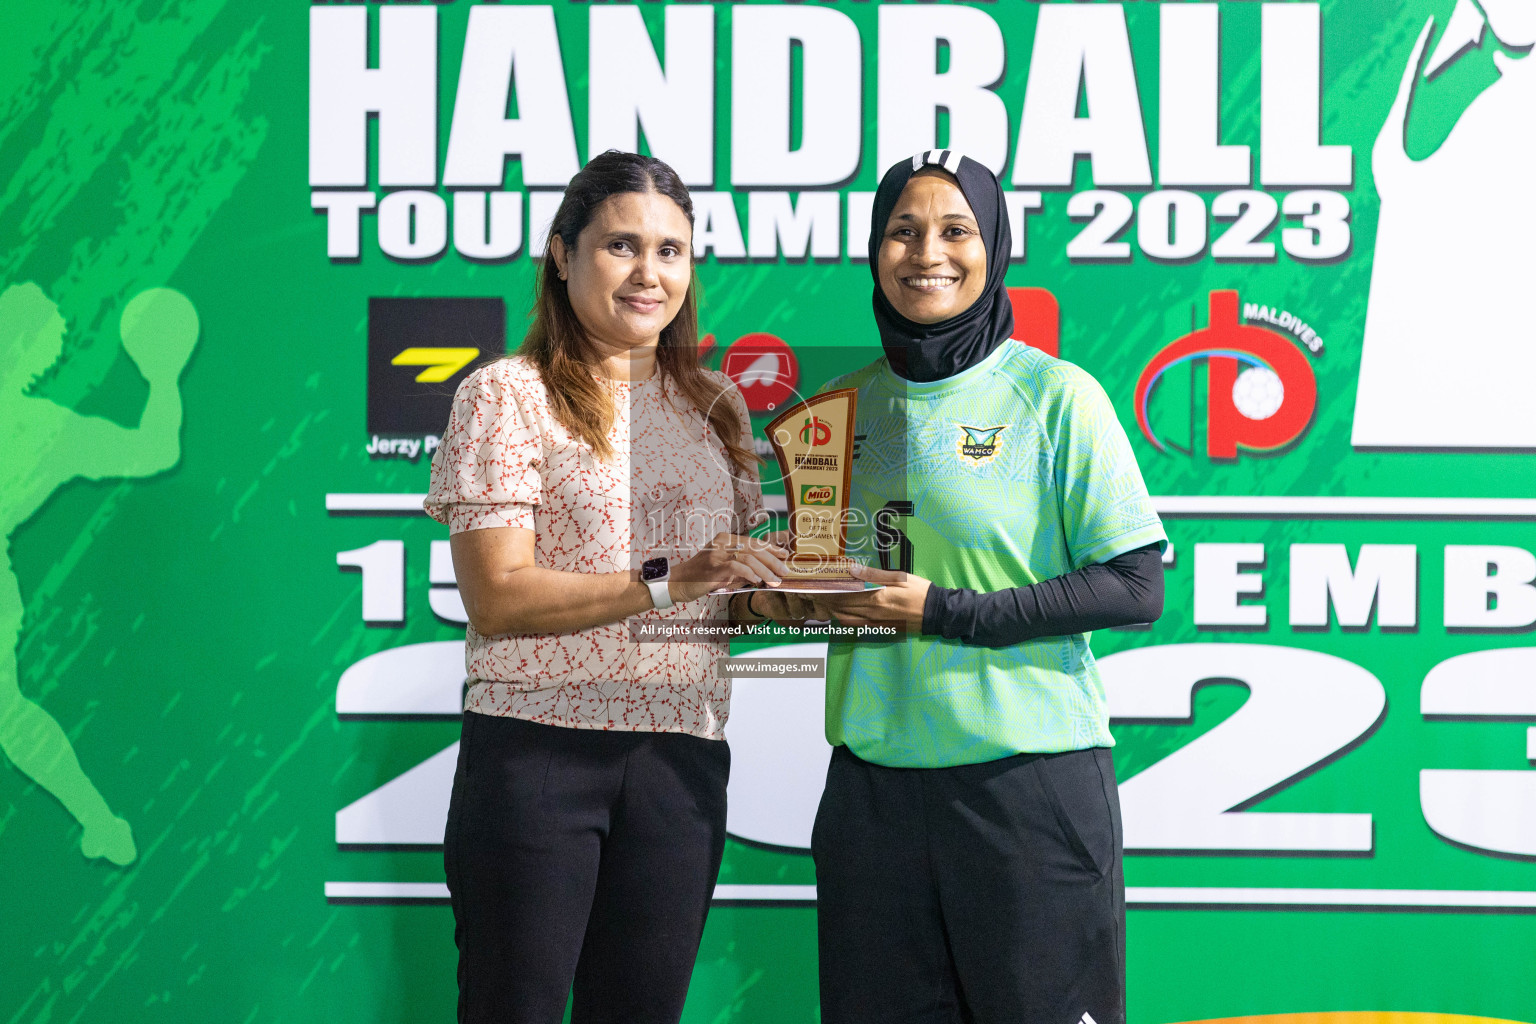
(597, 482)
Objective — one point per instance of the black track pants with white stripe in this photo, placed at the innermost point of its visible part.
(988, 893)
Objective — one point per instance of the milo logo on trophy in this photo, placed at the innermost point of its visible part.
(814, 445)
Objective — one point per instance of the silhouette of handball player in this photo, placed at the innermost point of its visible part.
(46, 446)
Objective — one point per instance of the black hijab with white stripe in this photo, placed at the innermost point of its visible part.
(929, 352)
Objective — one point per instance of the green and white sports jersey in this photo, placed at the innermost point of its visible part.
(1009, 473)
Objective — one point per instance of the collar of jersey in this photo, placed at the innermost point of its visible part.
(943, 386)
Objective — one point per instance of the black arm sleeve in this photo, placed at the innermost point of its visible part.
(1124, 590)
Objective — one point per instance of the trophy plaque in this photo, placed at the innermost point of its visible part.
(814, 445)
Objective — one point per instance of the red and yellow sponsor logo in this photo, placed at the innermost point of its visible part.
(817, 494)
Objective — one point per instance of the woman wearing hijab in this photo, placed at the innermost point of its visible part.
(968, 841)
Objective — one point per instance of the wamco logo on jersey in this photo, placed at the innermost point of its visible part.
(1260, 389)
(980, 444)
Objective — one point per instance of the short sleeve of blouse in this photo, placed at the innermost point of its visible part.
(485, 472)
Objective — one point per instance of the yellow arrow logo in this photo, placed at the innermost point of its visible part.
(440, 363)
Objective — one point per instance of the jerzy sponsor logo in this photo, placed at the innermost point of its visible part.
(408, 448)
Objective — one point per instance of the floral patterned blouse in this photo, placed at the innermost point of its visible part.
(667, 489)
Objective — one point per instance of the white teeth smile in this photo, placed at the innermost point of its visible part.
(931, 282)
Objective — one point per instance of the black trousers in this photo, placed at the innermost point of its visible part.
(581, 863)
(988, 893)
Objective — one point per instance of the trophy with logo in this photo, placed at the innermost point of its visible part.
(814, 445)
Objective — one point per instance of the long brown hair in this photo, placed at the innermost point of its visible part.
(557, 346)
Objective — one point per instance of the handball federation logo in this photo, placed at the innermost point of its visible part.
(1260, 389)
(980, 444)
(815, 432)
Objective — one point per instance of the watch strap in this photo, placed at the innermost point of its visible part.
(661, 597)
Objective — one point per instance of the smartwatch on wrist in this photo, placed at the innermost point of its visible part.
(653, 573)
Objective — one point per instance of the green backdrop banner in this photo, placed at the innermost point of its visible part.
(248, 253)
